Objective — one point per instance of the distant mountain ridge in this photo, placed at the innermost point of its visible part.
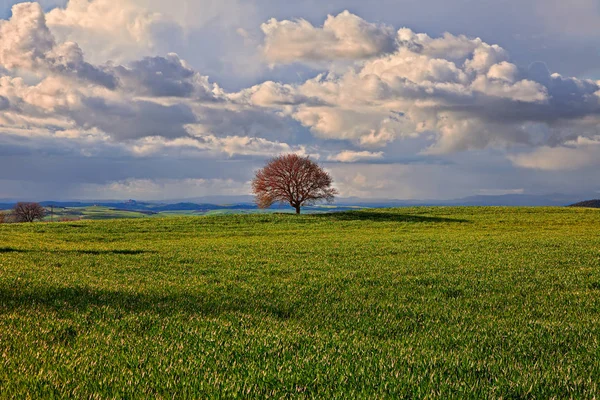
(209, 203)
(587, 203)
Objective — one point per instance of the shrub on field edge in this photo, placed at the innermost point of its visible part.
(28, 212)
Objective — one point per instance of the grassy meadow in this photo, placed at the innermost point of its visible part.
(100, 212)
(91, 213)
(397, 303)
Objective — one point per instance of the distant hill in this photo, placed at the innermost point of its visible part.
(506, 200)
(245, 203)
(587, 203)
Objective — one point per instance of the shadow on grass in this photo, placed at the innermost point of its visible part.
(11, 250)
(384, 217)
(101, 252)
(82, 252)
(119, 303)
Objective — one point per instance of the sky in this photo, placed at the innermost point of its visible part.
(397, 99)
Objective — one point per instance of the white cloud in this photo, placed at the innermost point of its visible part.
(26, 39)
(344, 36)
(110, 31)
(504, 71)
(462, 92)
(230, 145)
(522, 91)
(367, 127)
(28, 45)
(154, 96)
(128, 30)
(349, 156)
(574, 155)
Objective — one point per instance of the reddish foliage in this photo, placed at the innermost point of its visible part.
(28, 212)
(292, 179)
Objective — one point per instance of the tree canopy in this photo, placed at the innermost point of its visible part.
(292, 179)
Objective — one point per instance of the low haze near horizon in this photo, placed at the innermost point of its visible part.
(430, 99)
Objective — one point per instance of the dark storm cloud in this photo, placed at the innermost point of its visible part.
(164, 77)
(134, 120)
(4, 103)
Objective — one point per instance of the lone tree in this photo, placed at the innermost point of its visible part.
(292, 179)
(28, 212)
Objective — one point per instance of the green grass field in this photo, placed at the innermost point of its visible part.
(90, 213)
(403, 303)
(63, 214)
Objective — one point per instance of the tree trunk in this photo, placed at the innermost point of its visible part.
(297, 209)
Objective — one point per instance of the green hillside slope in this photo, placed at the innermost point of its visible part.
(404, 303)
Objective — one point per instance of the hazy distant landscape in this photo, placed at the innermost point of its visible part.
(225, 205)
(62, 211)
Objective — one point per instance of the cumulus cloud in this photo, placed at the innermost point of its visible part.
(204, 32)
(26, 39)
(344, 36)
(110, 31)
(154, 96)
(369, 128)
(462, 92)
(27, 44)
(271, 93)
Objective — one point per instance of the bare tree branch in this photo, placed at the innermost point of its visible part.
(28, 212)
